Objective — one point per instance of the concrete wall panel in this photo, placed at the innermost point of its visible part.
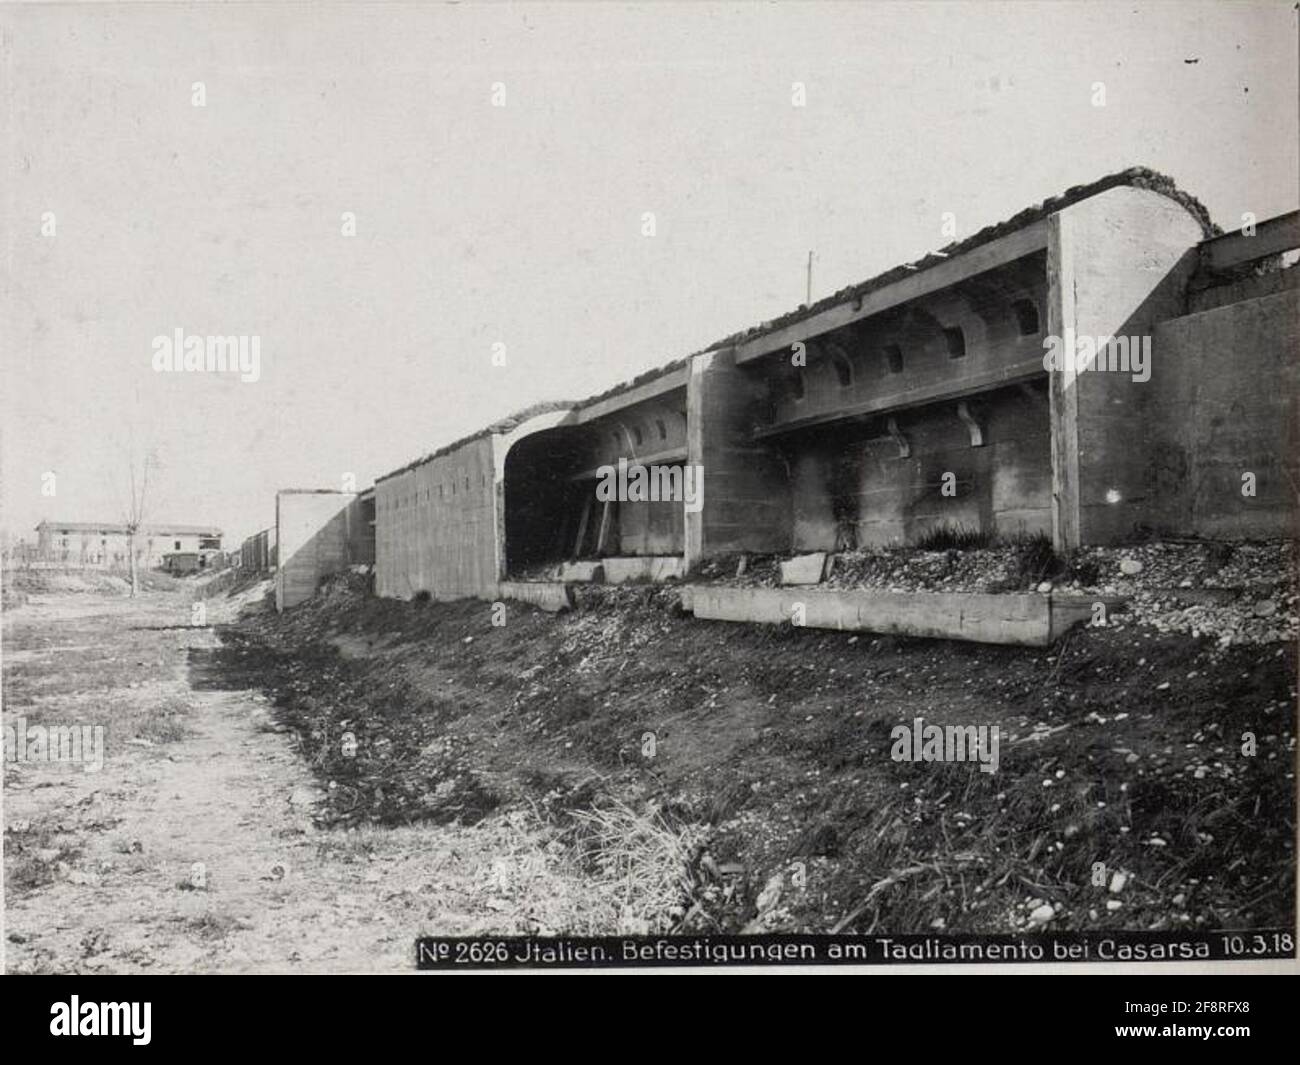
(436, 527)
(318, 534)
(1228, 407)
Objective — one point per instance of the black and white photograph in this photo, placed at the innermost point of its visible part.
(650, 487)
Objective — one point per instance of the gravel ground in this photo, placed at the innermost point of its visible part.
(1234, 593)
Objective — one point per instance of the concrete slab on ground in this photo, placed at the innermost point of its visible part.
(581, 572)
(805, 569)
(548, 595)
(1027, 620)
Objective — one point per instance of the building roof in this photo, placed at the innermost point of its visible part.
(1134, 177)
(502, 426)
(118, 528)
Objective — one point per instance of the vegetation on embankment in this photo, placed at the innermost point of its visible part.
(768, 751)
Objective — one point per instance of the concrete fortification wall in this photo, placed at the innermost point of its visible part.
(320, 533)
(436, 526)
(1228, 409)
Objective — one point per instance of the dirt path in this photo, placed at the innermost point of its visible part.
(100, 866)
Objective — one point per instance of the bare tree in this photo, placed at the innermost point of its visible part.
(139, 464)
(135, 514)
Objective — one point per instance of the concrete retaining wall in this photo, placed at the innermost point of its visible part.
(1027, 620)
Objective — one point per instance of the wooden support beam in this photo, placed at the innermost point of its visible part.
(605, 521)
(582, 527)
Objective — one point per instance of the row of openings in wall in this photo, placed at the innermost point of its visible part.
(1027, 322)
(425, 495)
(85, 540)
(638, 435)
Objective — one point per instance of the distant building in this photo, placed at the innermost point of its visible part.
(82, 543)
(258, 552)
(183, 561)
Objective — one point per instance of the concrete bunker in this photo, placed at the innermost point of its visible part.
(931, 413)
(553, 511)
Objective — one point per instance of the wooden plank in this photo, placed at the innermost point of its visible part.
(1016, 245)
(1271, 237)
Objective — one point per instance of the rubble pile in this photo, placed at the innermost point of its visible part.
(1234, 593)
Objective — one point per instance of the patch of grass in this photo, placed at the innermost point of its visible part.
(948, 537)
(1035, 559)
(29, 863)
(640, 863)
(1086, 571)
(165, 723)
(213, 926)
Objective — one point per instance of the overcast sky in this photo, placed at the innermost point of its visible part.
(522, 224)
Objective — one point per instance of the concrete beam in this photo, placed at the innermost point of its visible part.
(995, 253)
(580, 572)
(1011, 374)
(973, 426)
(670, 381)
(669, 457)
(1062, 398)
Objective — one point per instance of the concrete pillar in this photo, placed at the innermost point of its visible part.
(1117, 263)
(746, 486)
